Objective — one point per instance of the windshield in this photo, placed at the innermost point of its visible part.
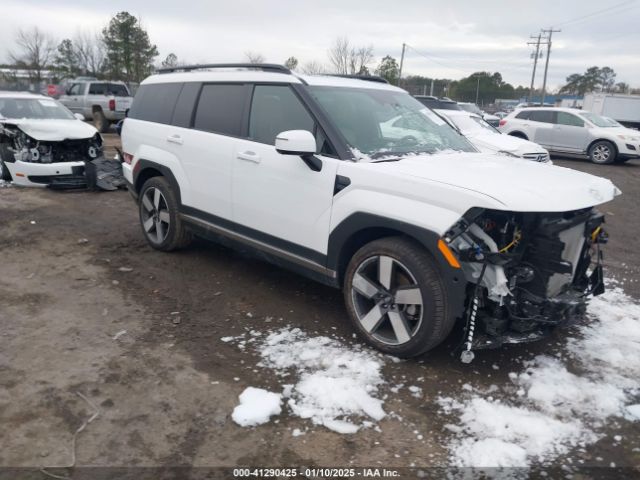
(34, 108)
(470, 107)
(384, 124)
(472, 123)
(613, 122)
(597, 120)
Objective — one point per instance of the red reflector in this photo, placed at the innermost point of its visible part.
(112, 104)
(502, 123)
(128, 158)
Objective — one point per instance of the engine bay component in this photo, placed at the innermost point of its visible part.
(528, 272)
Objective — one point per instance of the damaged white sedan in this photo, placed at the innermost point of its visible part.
(43, 144)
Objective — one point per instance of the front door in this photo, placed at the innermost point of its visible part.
(278, 196)
(570, 133)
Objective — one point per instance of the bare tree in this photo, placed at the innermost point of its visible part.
(91, 52)
(253, 57)
(313, 68)
(36, 50)
(350, 60)
(339, 55)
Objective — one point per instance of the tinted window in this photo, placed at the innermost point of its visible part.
(544, 116)
(183, 111)
(565, 118)
(97, 89)
(220, 109)
(524, 115)
(275, 109)
(117, 90)
(155, 102)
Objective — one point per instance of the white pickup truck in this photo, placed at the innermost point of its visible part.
(101, 101)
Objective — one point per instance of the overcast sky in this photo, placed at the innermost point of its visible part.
(454, 37)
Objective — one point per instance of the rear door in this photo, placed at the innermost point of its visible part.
(570, 133)
(279, 196)
(541, 127)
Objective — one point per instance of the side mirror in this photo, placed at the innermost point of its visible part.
(79, 116)
(301, 143)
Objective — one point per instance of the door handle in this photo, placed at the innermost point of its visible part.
(249, 156)
(177, 139)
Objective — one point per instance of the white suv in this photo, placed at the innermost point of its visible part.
(419, 231)
(573, 131)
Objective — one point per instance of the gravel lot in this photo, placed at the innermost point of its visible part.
(75, 272)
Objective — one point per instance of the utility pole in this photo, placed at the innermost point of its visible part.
(551, 31)
(404, 46)
(477, 89)
(535, 62)
(431, 90)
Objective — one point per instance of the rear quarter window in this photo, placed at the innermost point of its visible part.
(524, 115)
(155, 102)
(543, 116)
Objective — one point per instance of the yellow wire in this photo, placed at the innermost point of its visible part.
(516, 239)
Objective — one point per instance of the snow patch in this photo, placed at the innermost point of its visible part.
(256, 407)
(335, 385)
(555, 409)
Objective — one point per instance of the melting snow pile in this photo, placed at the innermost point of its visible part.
(556, 409)
(336, 384)
(256, 407)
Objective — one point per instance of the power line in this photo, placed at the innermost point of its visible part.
(598, 12)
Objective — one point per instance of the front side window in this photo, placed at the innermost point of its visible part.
(386, 123)
(76, 89)
(569, 119)
(276, 109)
(34, 108)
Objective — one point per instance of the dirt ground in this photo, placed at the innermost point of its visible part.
(75, 271)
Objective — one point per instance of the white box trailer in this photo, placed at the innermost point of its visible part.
(623, 108)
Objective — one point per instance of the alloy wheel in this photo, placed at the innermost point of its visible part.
(387, 300)
(155, 216)
(601, 153)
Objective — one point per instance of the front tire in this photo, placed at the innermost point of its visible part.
(4, 171)
(160, 218)
(395, 297)
(602, 152)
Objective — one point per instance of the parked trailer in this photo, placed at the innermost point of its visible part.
(623, 108)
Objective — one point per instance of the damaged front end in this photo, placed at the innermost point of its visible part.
(528, 272)
(57, 164)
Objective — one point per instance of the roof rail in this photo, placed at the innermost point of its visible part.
(267, 67)
(368, 78)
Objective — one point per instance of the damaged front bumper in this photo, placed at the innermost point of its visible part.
(29, 174)
(527, 273)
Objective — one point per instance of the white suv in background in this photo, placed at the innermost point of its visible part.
(573, 131)
(418, 230)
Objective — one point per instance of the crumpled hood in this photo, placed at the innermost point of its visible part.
(516, 184)
(54, 130)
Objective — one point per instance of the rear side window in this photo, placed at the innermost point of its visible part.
(220, 108)
(524, 115)
(117, 89)
(544, 116)
(97, 89)
(275, 109)
(186, 104)
(155, 102)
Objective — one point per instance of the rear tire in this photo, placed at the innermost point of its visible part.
(5, 153)
(602, 152)
(100, 121)
(160, 217)
(396, 298)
